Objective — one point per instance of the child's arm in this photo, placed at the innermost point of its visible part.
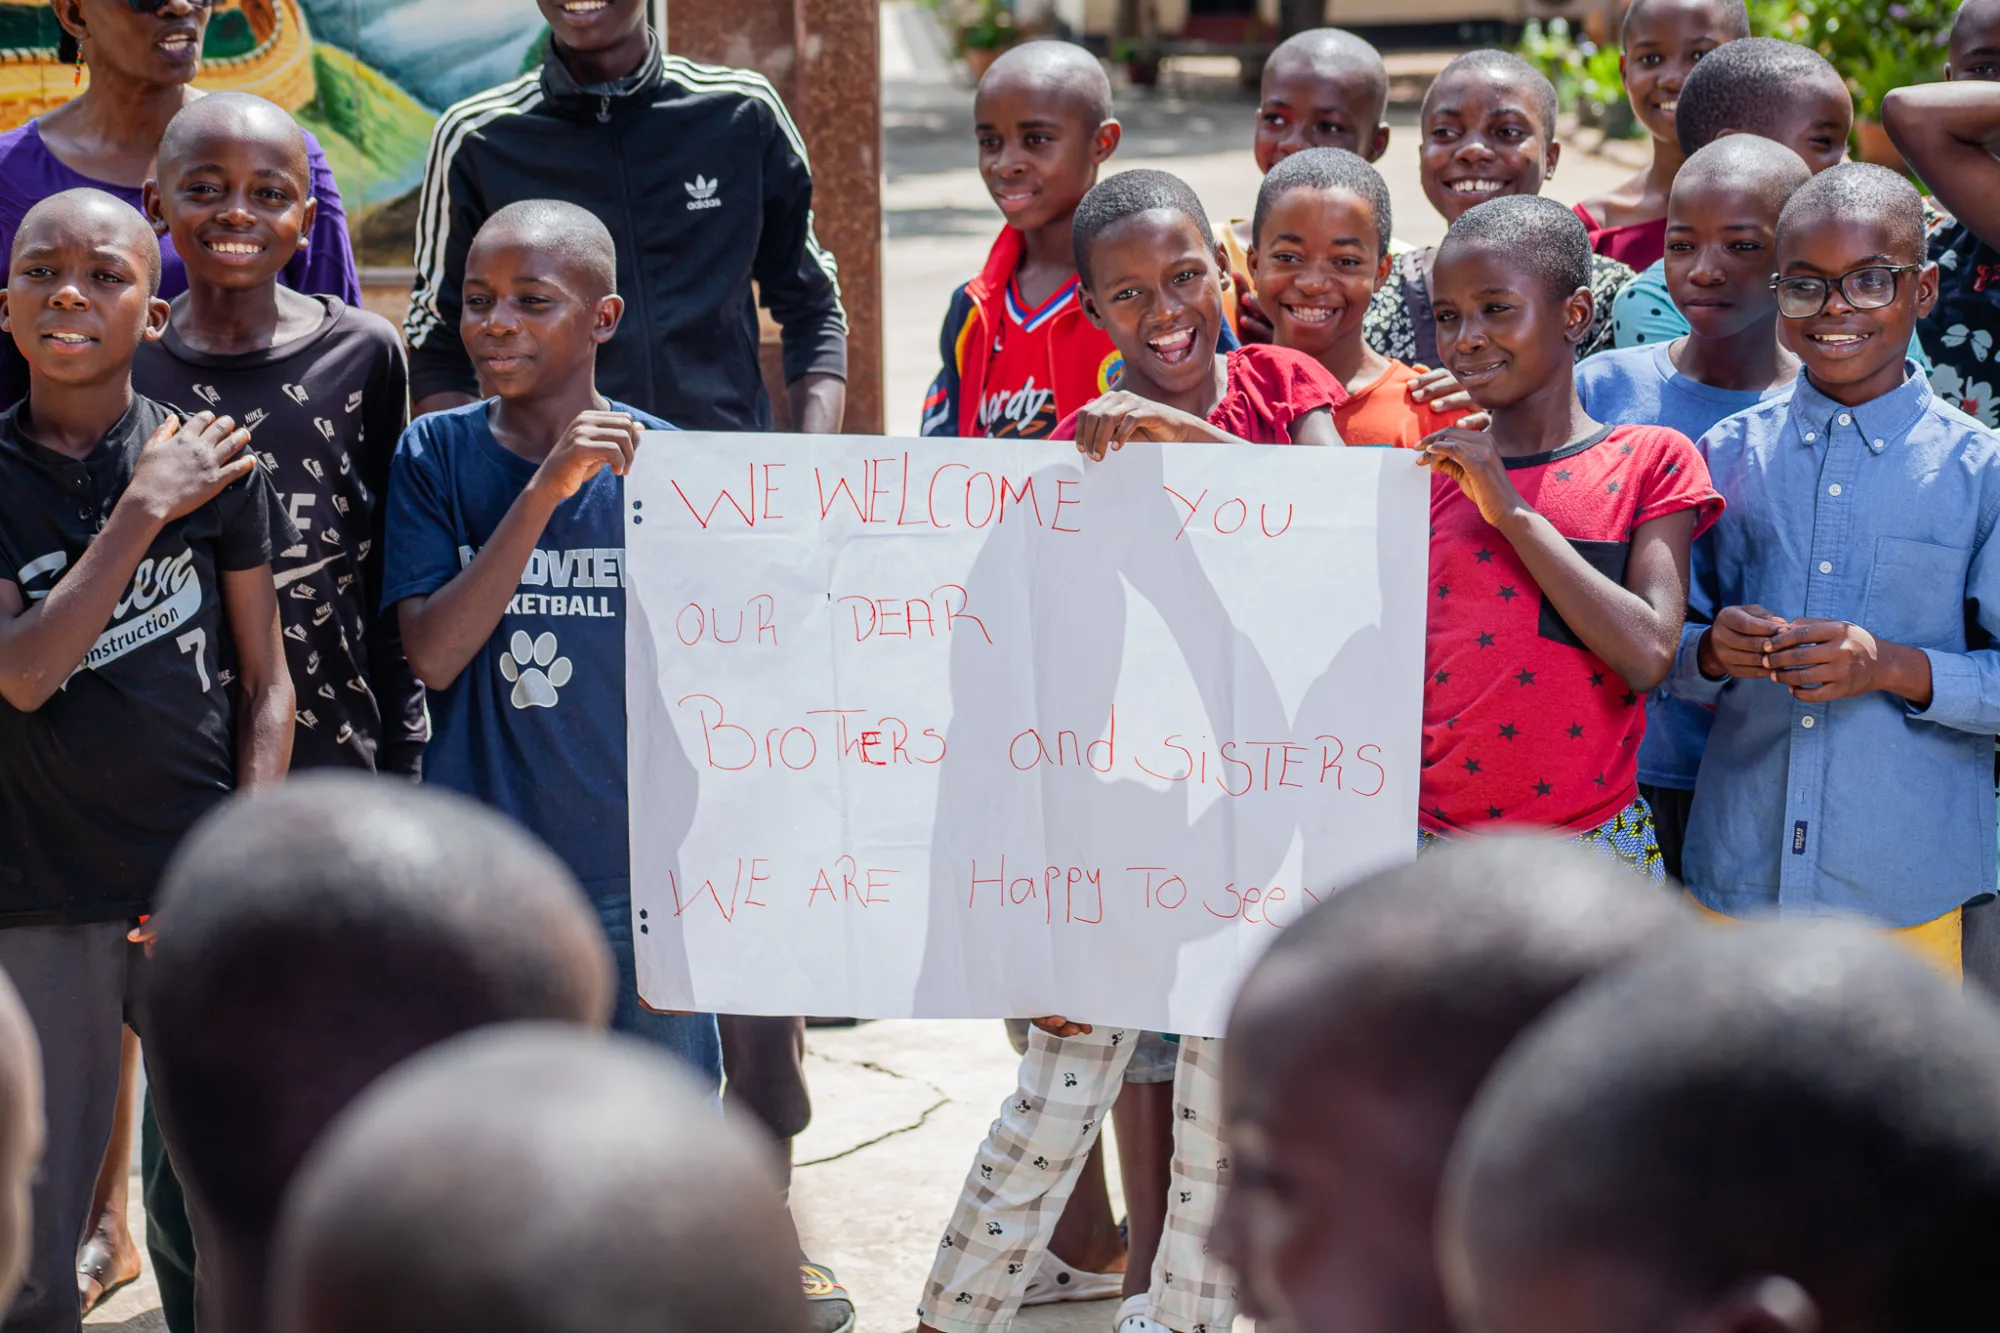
(1110, 421)
(397, 691)
(1635, 627)
(181, 468)
(1948, 132)
(443, 630)
(265, 705)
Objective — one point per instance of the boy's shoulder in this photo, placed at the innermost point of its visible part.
(1639, 363)
(433, 438)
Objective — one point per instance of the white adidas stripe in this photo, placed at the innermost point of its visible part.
(723, 78)
(433, 227)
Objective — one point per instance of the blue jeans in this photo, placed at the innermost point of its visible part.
(690, 1038)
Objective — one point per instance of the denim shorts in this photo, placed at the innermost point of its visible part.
(1152, 1059)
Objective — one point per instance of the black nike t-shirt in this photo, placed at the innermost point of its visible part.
(324, 413)
(98, 785)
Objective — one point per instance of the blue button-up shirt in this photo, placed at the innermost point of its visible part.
(1881, 515)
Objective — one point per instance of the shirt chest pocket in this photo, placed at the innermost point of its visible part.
(1916, 594)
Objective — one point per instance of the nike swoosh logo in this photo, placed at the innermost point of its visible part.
(294, 575)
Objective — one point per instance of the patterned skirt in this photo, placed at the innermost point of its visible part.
(1628, 836)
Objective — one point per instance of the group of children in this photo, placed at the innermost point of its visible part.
(1708, 525)
(1758, 663)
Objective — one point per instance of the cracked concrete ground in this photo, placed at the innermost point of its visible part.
(898, 1107)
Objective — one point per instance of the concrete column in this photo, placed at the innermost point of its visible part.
(823, 57)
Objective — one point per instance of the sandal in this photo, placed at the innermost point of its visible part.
(1056, 1281)
(95, 1282)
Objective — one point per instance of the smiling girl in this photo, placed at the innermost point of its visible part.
(1488, 126)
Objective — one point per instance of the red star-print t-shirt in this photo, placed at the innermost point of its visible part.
(1522, 723)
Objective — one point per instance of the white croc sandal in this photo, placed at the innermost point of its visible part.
(1132, 1317)
(1056, 1281)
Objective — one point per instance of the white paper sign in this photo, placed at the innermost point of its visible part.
(944, 728)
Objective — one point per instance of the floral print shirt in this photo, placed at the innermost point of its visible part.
(1959, 333)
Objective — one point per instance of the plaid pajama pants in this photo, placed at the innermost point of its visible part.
(1024, 1172)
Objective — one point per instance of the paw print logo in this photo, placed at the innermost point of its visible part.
(533, 668)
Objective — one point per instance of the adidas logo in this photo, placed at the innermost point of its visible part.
(701, 193)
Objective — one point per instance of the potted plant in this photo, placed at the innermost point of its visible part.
(985, 29)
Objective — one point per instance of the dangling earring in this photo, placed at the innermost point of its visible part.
(77, 82)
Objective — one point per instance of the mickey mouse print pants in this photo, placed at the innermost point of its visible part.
(1024, 1172)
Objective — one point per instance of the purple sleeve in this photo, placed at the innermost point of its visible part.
(326, 265)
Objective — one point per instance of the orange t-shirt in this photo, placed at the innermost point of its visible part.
(1382, 413)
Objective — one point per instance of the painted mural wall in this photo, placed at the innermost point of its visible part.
(367, 77)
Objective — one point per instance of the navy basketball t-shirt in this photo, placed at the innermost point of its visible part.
(535, 724)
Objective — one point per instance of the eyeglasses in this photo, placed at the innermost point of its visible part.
(1868, 288)
(155, 6)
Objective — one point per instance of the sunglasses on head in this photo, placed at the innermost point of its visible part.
(155, 6)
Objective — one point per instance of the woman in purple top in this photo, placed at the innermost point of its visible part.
(141, 65)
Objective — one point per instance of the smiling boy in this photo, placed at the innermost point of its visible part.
(1559, 551)
(1320, 251)
(1838, 623)
(323, 389)
(135, 560)
(1153, 280)
(1018, 354)
(1660, 41)
(484, 499)
(1722, 225)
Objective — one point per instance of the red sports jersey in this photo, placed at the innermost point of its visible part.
(1522, 723)
(1018, 396)
(1268, 389)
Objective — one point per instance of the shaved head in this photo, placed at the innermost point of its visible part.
(534, 1179)
(1766, 170)
(235, 116)
(21, 1134)
(315, 934)
(575, 236)
(1809, 1103)
(1859, 192)
(1359, 1040)
(70, 213)
(1062, 70)
(1333, 53)
(1421, 976)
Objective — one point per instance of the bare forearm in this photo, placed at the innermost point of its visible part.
(41, 646)
(818, 403)
(444, 631)
(265, 717)
(1613, 621)
(1948, 132)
